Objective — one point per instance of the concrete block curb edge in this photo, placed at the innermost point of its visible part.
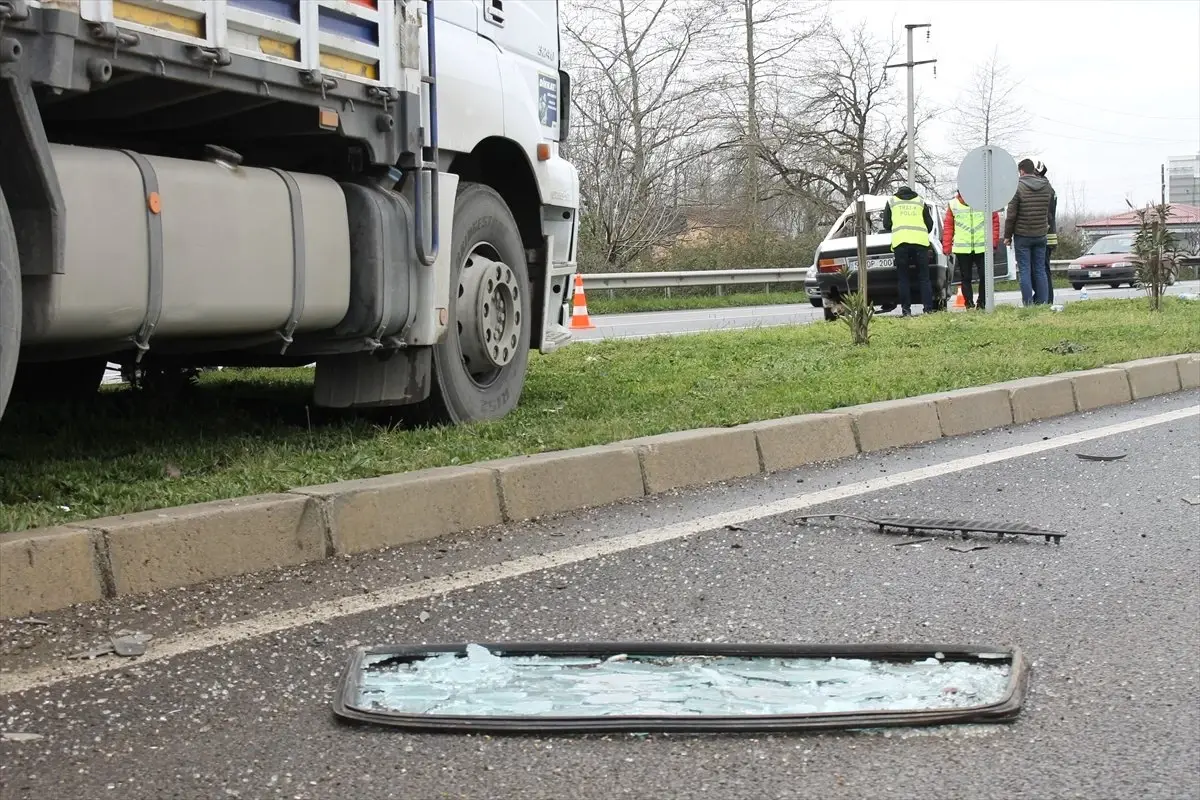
(52, 568)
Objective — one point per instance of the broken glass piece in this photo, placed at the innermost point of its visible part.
(130, 643)
(482, 683)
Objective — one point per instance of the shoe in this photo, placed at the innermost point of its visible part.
(906, 312)
(970, 305)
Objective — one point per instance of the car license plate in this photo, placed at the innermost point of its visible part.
(1095, 273)
(873, 262)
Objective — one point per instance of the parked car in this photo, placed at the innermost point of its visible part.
(811, 287)
(840, 248)
(1110, 260)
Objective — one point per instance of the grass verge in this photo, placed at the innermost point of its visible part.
(644, 300)
(249, 431)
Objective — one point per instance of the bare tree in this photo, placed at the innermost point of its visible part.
(842, 131)
(775, 34)
(988, 111)
(638, 86)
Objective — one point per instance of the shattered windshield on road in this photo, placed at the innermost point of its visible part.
(482, 683)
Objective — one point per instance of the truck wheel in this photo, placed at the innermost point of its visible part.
(10, 304)
(479, 366)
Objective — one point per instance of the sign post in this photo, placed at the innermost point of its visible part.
(987, 180)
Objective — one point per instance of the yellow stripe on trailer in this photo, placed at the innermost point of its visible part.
(157, 18)
(274, 47)
(350, 66)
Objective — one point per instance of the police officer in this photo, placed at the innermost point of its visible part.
(963, 234)
(1052, 236)
(907, 218)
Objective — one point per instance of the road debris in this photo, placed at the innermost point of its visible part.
(968, 549)
(1193, 500)
(1097, 457)
(739, 528)
(962, 526)
(1066, 347)
(32, 621)
(424, 616)
(131, 643)
(615, 686)
(914, 541)
(95, 652)
(15, 736)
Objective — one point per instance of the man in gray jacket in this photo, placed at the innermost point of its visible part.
(1026, 224)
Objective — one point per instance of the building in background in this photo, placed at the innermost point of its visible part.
(1183, 222)
(1183, 180)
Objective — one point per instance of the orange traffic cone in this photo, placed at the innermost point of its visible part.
(960, 301)
(579, 313)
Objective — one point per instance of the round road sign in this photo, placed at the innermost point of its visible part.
(994, 167)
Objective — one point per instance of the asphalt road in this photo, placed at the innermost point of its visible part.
(233, 698)
(659, 323)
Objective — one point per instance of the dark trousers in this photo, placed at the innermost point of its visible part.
(1049, 276)
(909, 256)
(971, 264)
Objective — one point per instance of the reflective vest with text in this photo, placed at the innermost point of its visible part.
(908, 222)
(969, 233)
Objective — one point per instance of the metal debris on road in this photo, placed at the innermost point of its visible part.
(14, 736)
(968, 549)
(95, 652)
(32, 621)
(914, 541)
(1091, 457)
(962, 526)
(640, 686)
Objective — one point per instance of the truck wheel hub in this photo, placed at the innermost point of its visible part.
(489, 311)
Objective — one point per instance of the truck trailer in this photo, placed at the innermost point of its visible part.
(371, 186)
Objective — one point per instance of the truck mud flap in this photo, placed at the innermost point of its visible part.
(610, 704)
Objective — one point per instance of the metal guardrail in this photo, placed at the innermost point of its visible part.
(706, 277)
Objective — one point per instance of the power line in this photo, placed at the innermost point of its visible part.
(1108, 133)
(1115, 111)
(1059, 135)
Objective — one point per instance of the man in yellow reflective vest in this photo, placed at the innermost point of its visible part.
(907, 218)
(963, 235)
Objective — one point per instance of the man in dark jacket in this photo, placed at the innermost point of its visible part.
(1026, 224)
(1051, 235)
(908, 220)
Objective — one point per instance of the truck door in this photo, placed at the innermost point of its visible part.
(526, 32)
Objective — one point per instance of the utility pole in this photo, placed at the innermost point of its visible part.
(909, 64)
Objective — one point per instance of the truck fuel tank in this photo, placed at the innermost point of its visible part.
(165, 248)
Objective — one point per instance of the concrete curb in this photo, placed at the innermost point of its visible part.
(53, 568)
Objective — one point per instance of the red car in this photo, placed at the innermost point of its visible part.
(1110, 260)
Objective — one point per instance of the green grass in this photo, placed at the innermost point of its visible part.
(247, 431)
(641, 300)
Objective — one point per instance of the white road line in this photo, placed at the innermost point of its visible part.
(329, 610)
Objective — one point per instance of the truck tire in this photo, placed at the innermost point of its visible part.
(479, 366)
(10, 304)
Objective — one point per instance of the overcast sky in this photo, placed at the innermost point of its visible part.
(1087, 73)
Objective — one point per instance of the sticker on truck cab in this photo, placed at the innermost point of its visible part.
(548, 99)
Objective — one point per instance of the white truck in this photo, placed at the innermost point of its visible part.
(373, 186)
